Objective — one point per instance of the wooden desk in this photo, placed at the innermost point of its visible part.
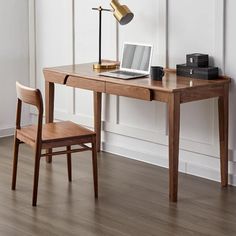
(173, 90)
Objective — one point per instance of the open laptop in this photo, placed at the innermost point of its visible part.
(135, 62)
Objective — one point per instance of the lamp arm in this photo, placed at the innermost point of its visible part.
(102, 9)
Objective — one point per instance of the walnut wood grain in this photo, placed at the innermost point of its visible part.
(172, 90)
(223, 111)
(197, 94)
(97, 103)
(160, 96)
(58, 134)
(55, 77)
(48, 136)
(174, 126)
(29, 96)
(128, 91)
(170, 82)
(69, 169)
(49, 106)
(76, 82)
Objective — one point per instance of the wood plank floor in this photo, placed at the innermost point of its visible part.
(133, 199)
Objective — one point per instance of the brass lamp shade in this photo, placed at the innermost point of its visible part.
(121, 12)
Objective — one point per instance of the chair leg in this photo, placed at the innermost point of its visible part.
(95, 171)
(68, 148)
(36, 176)
(15, 161)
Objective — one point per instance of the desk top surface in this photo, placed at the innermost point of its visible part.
(170, 82)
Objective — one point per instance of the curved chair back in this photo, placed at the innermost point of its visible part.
(32, 97)
(29, 96)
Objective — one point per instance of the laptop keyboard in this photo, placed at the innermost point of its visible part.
(128, 73)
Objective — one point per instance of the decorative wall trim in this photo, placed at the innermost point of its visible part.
(114, 128)
(158, 138)
(220, 7)
(140, 134)
(32, 44)
(163, 33)
(210, 172)
(73, 55)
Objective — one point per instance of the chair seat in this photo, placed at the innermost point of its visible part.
(63, 133)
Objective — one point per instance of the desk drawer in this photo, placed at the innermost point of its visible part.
(54, 77)
(83, 83)
(128, 91)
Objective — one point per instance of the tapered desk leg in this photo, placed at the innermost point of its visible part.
(97, 99)
(223, 109)
(49, 111)
(174, 125)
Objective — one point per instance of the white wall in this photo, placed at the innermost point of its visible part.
(230, 69)
(14, 59)
(138, 129)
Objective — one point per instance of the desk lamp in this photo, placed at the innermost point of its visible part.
(123, 15)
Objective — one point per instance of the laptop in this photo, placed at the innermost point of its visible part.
(135, 62)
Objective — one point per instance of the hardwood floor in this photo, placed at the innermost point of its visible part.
(133, 199)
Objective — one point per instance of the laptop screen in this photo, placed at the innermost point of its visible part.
(136, 57)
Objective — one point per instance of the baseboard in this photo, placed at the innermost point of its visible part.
(159, 160)
(6, 132)
(156, 154)
(184, 166)
(139, 156)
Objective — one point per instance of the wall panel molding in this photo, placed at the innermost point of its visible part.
(189, 163)
(32, 43)
(163, 33)
(32, 47)
(127, 137)
(218, 43)
(220, 6)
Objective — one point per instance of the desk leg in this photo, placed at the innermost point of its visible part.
(97, 99)
(223, 109)
(49, 105)
(174, 125)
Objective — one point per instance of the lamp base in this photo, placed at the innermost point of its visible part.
(105, 65)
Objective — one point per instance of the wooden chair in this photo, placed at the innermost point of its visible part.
(51, 135)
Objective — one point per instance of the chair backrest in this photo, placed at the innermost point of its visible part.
(29, 96)
(32, 97)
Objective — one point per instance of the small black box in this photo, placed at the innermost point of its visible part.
(197, 72)
(197, 60)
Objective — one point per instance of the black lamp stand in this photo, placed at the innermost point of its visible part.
(100, 64)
